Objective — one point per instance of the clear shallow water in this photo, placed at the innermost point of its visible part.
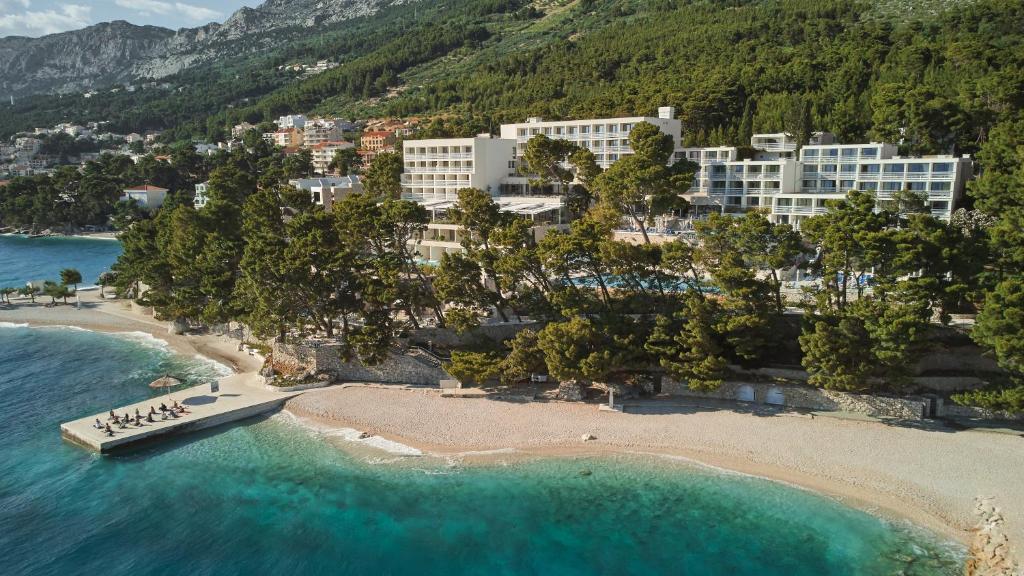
(27, 259)
(268, 497)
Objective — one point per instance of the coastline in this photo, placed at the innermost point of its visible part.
(851, 461)
(117, 316)
(893, 472)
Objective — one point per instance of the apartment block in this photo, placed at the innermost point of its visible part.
(607, 138)
(376, 140)
(323, 153)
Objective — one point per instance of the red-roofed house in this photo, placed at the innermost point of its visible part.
(147, 195)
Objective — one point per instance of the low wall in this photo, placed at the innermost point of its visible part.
(956, 411)
(806, 397)
(933, 383)
(326, 358)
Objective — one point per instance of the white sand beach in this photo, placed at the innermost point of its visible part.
(928, 476)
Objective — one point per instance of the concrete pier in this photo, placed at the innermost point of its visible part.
(240, 396)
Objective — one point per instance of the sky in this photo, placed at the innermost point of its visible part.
(41, 17)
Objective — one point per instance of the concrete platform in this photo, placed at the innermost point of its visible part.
(240, 396)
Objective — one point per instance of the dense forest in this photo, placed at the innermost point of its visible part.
(936, 78)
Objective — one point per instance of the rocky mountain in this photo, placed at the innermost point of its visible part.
(120, 52)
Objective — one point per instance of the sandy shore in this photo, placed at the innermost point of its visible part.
(117, 316)
(928, 476)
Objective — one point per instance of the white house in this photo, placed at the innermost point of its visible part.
(297, 121)
(328, 190)
(148, 196)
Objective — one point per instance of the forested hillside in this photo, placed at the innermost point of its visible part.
(937, 74)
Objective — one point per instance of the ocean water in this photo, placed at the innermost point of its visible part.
(268, 496)
(28, 259)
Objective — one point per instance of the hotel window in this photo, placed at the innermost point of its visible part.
(771, 185)
(598, 129)
(868, 186)
(810, 169)
(810, 153)
(810, 183)
(891, 186)
(849, 153)
(917, 186)
(521, 132)
(869, 168)
(827, 184)
(753, 201)
(753, 186)
(940, 205)
(613, 157)
(847, 184)
(783, 202)
(828, 168)
(584, 129)
(940, 187)
(869, 152)
(820, 202)
(831, 153)
(734, 200)
(893, 168)
(571, 130)
(613, 129)
(547, 131)
(917, 168)
(942, 168)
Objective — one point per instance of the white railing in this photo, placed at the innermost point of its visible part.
(438, 170)
(439, 156)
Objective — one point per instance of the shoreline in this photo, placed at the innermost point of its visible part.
(875, 503)
(84, 235)
(891, 472)
(454, 428)
(116, 316)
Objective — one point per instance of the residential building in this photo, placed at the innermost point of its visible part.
(297, 121)
(285, 138)
(324, 152)
(239, 130)
(607, 138)
(146, 195)
(319, 133)
(202, 197)
(328, 190)
(376, 140)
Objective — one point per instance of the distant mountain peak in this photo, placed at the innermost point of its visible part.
(120, 52)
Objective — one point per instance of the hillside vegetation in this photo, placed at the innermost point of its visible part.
(939, 75)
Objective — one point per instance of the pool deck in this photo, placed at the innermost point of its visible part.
(240, 396)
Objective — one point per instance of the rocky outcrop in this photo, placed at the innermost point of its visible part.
(120, 53)
(989, 554)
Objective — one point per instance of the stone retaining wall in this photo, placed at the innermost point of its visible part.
(806, 397)
(326, 358)
(957, 411)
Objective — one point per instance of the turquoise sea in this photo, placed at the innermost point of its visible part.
(28, 259)
(268, 496)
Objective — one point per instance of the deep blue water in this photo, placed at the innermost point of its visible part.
(268, 497)
(29, 259)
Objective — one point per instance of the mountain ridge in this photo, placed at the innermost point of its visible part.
(118, 52)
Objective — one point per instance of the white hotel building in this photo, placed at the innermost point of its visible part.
(794, 189)
(435, 171)
(607, 138)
